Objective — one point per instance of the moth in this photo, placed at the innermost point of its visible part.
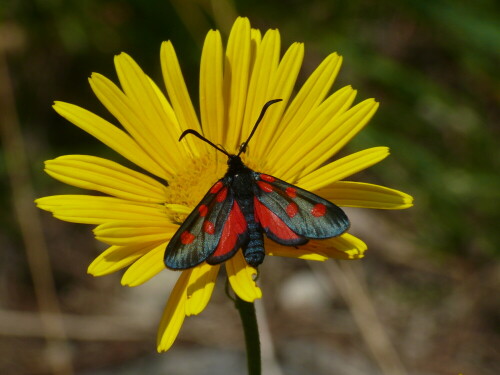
(244, 205)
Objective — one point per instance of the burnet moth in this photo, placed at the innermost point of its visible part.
(243, 205)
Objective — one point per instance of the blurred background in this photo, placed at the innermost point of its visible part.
(425, 300)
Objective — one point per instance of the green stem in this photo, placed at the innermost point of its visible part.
(251, 330)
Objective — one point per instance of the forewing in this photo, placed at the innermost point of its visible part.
(198, 236)
(305, 213)
(275, 228)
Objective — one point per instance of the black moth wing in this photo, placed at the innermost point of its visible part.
(198, 236)
(305, 213)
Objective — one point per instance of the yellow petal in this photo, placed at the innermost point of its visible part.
(87, 209)
(173, 315)
(334, 135)
(161, 127)
(190, 148)
(130, 232)
(281, 86)
(144, 127)
(106, 176)
(343, 168)
(255, 41)
(290, 150)
(110, 135)
(148, 266)
(211, 88)
(179, 96)
(117, 257)
(359, 194)
(178, 209)
(275, 249)
(236, 75)
(200, 288)
(310, 95)
(241, 278)
(345, 247)
(259, 89)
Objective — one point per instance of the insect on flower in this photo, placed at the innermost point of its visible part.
(243, 205)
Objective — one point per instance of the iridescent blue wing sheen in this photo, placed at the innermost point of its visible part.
(304, 213)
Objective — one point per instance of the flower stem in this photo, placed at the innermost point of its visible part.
(251, 330)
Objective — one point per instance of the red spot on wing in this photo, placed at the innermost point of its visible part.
(272, 222)
(318, 210)
(234, 226)
(215, 189)
(291, 192)
(186, 238)
(292, 209)
(266, 177)
(265, 186)
(208, 227)
(203, 210)
(221, 195)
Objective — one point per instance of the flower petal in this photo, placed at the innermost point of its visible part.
(275, 249)
(138, 125)
(310, 95)
(255, 41)
(110, 135)
(333, 136)
(241, 278)
(201, 285)
(236, 76)
(106, 176)
(343, 168)
(345, 247)
(148, 266)
(122, 233)
(290, 151)
(160, 127)
(211, 88)
(178, 209)
(282, 84)
(179, 96)
(173, 315)
(117, 257)
(189, 148)
(259, 89)
(87, 209)
(359, 194)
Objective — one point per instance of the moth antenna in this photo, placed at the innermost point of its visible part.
(198, 135)
(262, 113)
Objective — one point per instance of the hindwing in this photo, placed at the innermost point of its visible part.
(303, 212)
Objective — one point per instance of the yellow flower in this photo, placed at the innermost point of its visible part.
(295, 142)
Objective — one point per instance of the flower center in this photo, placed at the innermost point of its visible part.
(190, 186)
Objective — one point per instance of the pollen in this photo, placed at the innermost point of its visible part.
(197, 178)
(189, 186)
